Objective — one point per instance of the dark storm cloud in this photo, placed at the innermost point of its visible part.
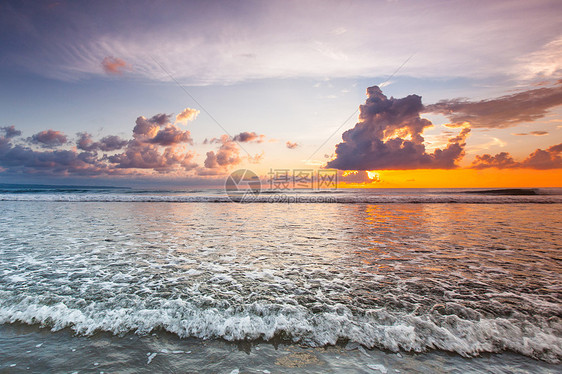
(539, 159)
(502, 112)
(10, 131)
(389, 136)
(49, 139)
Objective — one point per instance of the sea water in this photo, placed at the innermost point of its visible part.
(95, 279)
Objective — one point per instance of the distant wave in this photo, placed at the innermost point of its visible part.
(508, 191)
(465, 198)
(342, 196)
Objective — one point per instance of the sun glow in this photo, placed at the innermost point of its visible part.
(458, 178)
(373, 175)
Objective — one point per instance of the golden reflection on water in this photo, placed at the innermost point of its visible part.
(465, 240)
(501, 245)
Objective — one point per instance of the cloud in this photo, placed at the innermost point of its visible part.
(187, 115)
(389, 136)
(171, 135)
(227, 155)
(49, 139)
(358, 177)
(143, 152)
(282, 39)
(139, 155)
(544, 159)
(539, 159)
(111, 143)
(535, 133)
(502, 112)
(159, 130)
(106, 144)
(501, 160)
(10, 131)
(21, 159)
(246, 137)
(292, 145)
(257, 158)
(112, 65)
(157, 146)
(545, 62)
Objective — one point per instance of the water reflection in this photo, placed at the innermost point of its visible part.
(409, 276)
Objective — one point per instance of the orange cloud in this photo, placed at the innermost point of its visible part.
(292, 145)
(112, 65)
(187, 115)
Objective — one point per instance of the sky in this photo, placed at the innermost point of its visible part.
(389, 93)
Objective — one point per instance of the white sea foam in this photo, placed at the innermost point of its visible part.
(466, 279)
(379, 328)
(150, 357)
(344, 198)
(378, 367)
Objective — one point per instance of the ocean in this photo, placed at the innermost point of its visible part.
(96, 279)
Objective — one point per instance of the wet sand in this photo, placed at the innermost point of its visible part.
(30, 349)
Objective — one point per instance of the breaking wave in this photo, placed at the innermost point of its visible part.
(377, 328)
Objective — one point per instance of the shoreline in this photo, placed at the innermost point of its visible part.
(31, 348)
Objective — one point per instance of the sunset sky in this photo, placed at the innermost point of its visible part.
(420, 93)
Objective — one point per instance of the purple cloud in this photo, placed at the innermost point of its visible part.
(10, 131)
(227, 155)
(246, 137)
(502, 112)
(157, 145)
(49, 139)
(539, 159)
(139, 155)
(159, 130)
(107, 144)
(389, 136)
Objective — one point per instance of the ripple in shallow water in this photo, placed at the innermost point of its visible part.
(464, 278)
